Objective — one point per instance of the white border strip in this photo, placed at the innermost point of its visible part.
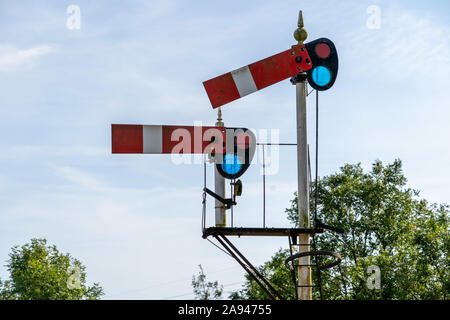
(152, 139)
(244, 81)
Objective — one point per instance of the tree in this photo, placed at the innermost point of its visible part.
(205, 290)
(386, 225)
(41, 272)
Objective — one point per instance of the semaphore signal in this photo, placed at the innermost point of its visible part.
(173, 139)
(232, 150)
(256, 76)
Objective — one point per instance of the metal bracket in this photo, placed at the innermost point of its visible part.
(320, 224)
(227, 202)
(315, 253)
(301, 77)
(251, 270)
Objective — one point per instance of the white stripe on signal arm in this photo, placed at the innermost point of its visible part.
(243, 80)
(152, 139)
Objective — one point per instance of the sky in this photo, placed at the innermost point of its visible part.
(135, 220)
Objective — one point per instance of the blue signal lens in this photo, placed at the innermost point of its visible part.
(231, 164)
(321, 76)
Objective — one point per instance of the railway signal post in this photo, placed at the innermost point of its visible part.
(304, 269)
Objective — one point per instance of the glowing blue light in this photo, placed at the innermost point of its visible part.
(321, 76)
(231, 164)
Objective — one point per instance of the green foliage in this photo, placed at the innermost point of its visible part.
(278, 275)
(205, 290)
(41, 272)
(386, 225)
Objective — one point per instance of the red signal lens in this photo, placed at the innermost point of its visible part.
(322, 50)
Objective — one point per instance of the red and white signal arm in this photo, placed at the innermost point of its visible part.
(166, 139)
(256, 76)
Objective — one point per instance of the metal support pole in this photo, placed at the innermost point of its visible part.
(264, 186)
(304, 270)
(219, 186)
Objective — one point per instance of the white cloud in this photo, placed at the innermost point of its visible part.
(406, 45)
(80, 178)
(12, 57)
(26, 152)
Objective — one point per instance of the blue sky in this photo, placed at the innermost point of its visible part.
(134, 220)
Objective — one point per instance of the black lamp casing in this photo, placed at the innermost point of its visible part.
(330, 62)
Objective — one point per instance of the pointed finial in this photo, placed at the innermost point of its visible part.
(219, 114)
(300, 34)
(300, 19)
(219, 122)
